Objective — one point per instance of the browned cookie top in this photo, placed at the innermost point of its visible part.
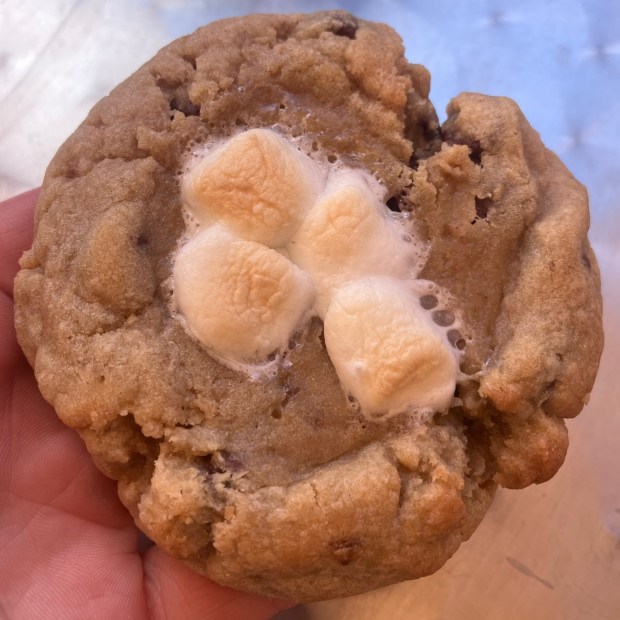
(282, 486)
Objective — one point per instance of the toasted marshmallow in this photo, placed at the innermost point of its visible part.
(239, 298)
(257, 184)
(276, 238)
(385, 349)
(348, 235)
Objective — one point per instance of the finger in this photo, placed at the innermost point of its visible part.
(16, 226)
(174, 591)
(55, 565)
(10, 352)
(46, 463)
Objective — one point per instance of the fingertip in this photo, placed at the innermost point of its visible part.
(9, 349)
(16, 230)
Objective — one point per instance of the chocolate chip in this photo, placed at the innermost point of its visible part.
(430, 130)
(210, 465)
(475, 152)
(220, 462)
(186, 106)
(428, 302)
(443, 318)
(348, 30)
(230, 461)
(456, 340)
(291, 390)
(347, 550)
(453, 336)
(483, 205)
(177, 96)
(393, 205)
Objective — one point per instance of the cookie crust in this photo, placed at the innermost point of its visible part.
(282, 486)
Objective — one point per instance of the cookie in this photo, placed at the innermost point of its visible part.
(306, 328)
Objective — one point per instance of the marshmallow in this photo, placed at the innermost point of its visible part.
(348, 235)
(276, 243)
(257, 184)
(385, 349)
(239, 298)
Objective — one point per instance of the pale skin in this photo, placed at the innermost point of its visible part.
(68, 547)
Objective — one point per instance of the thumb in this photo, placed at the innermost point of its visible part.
(174, 591)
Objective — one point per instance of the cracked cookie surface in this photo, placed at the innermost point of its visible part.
(282, 486)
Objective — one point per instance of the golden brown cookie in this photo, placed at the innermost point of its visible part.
(281, 483)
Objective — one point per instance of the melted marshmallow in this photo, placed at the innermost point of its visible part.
(340, 254)
(257, 184)
(348, 235)
(241, 299)
(386, 350)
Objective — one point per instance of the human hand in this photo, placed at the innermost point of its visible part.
(68, 547)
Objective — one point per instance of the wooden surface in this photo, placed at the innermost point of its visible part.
(550, 552)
